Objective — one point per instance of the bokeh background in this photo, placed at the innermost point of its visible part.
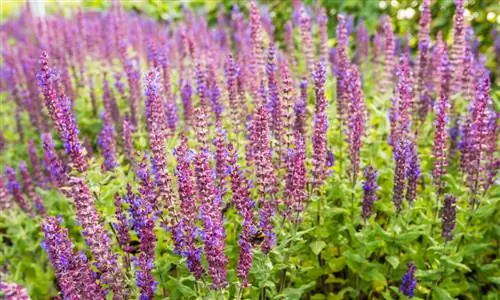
(483, 15)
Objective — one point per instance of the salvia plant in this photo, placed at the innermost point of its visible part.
(230, 160)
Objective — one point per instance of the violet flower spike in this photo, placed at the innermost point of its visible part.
(412, 173)
(213, 233)
(52, 163)
(13, 291)
(355, 121)
(73, 272)
(370, 188)
(244, 205)
(106, 141)
(319, 156)
(265, 173)
(448, 216)
(121, 226)
(400, 151)
(30, 189)
(15, 190)
(342, 66)
(156, 132)
(186, 231)
(38, 174)
(128, 145)
(458, 46)
(306, 40)
(5, 203)
(409, 282)
(97, 238)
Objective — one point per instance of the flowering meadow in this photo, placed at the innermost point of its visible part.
(192, 159)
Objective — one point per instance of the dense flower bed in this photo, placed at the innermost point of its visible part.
(186, 160)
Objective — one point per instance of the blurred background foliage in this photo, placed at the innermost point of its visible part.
(483, 15)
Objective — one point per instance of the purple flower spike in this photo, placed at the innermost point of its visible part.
(106, 141)
(257, 47)
(342, 66)
(370, 188)
(323, 35)
(458, 46)
(448, 215)
(73, 272)
(288, 103)
(400, 151)
(412, 173)
(389, 54)
(35, 165)
(121, 226)
(186, 231)
(15, 190)
(306, 39)
(409, 282)
(128, 145)
(5, 203)
(30, 189)
(265, 173)
(440, 131)
(156, 131)
(355, 122)
(97, 238)
(244, 205)
(319, 170)
(213, 233)
(295, 194)
(13, 291)
(52, 162)
(60, 110)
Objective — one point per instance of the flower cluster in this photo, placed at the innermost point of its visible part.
(74, 275)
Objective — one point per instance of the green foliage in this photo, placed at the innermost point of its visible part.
(332, 253)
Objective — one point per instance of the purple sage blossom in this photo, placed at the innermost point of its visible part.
(54, 166)
(245, 206)
(458, 46)
(342, 66)
(121, 226)
(306, 39)
(448, 216)
(13, 291)
(106, 141)
(35, 165)
(355, 121)
(15, 190)
(319, 170)
(186, 230)
(370, 188)
(213, 233)
(412, 172)
(295, 194)
(389, 54)
(323, 35)
(266, 178)
(97, 238)
(5, 203)
(73, 272)
(156, 133)
(30, 189)
(409, 282)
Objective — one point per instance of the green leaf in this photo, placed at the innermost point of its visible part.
(317, 246)
(296, 293)
(440, 294)
(393, 260)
